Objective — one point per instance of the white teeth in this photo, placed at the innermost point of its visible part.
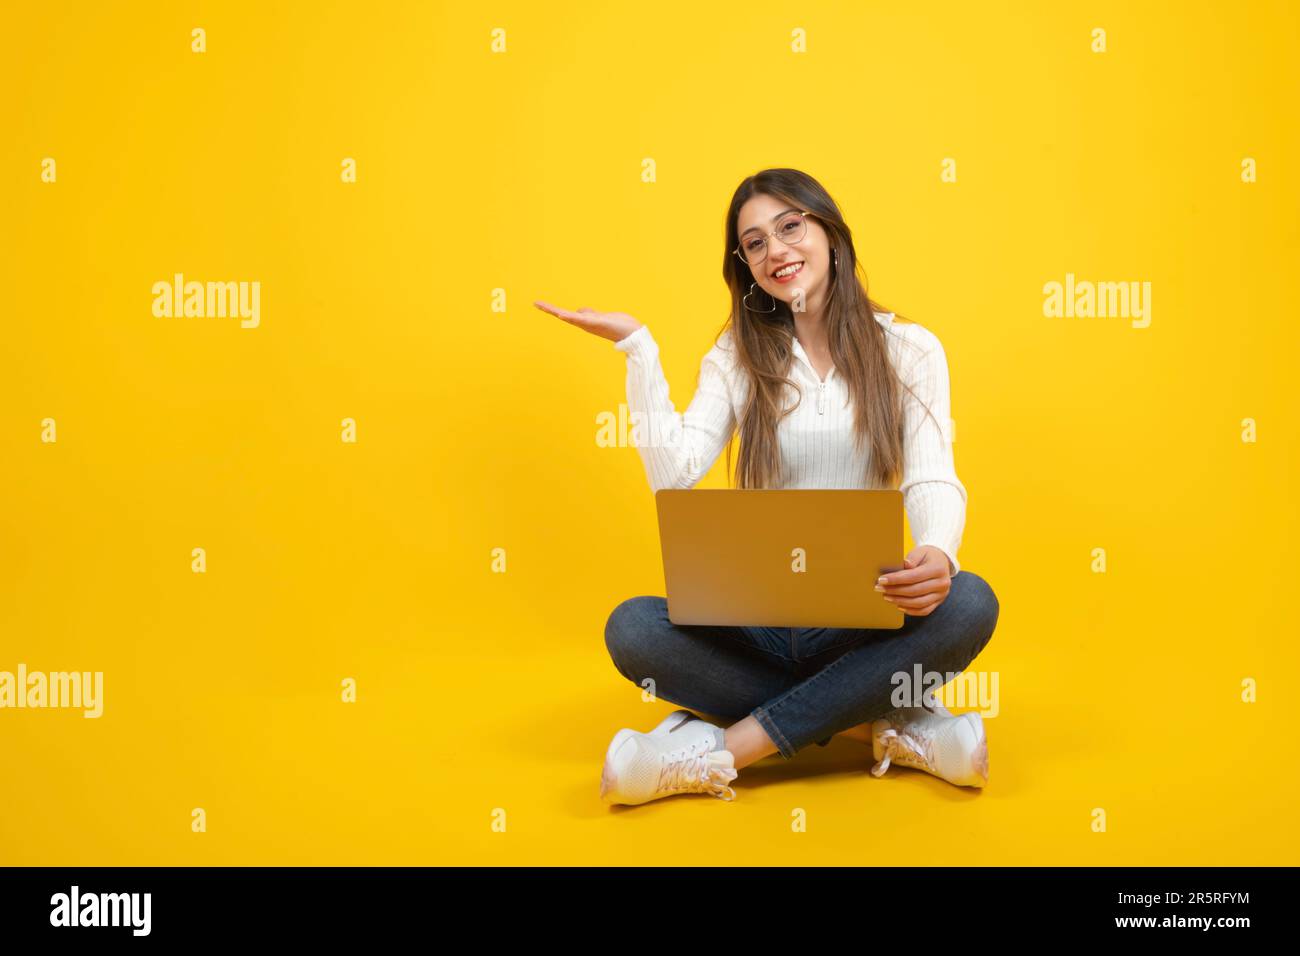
(789, 270)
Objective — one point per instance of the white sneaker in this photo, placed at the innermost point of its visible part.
(681, 755)
(953, 748)
(669, 725)
(674, 722)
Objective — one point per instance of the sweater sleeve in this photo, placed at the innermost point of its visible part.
(934, 497)
(677, 448)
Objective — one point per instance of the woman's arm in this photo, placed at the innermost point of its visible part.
(933, 495)
(677, 448)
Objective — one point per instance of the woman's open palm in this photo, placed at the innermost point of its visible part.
(608, 325)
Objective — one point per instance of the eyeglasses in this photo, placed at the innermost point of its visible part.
(790, 230)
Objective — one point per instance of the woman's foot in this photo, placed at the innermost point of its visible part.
(684, 754)
(953, 748)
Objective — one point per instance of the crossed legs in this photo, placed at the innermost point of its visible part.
(779, 699)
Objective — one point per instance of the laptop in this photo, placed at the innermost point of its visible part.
(780, 557)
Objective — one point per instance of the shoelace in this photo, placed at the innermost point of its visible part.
(903, 747)
(695, 773)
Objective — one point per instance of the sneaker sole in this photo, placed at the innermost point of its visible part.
(980, 758)
(608, 779)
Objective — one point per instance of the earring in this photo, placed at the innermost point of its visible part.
(745, 300)
(835, 259)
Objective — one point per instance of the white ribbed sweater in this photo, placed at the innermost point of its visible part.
(816, 440)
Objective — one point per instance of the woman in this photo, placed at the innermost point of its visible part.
(826, 391)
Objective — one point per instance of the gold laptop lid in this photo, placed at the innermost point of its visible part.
(780, 557)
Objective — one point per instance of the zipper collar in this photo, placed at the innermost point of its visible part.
(884, 318)
(802, 356)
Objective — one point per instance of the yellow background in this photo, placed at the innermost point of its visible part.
(476, 428)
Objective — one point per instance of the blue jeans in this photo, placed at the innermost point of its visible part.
(801, 684)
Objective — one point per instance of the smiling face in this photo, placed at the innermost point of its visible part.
(805, 265)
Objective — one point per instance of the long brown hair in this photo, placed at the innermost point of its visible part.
(764, 343)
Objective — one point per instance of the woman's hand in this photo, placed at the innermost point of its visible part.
(608, 325)
(923, 583)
